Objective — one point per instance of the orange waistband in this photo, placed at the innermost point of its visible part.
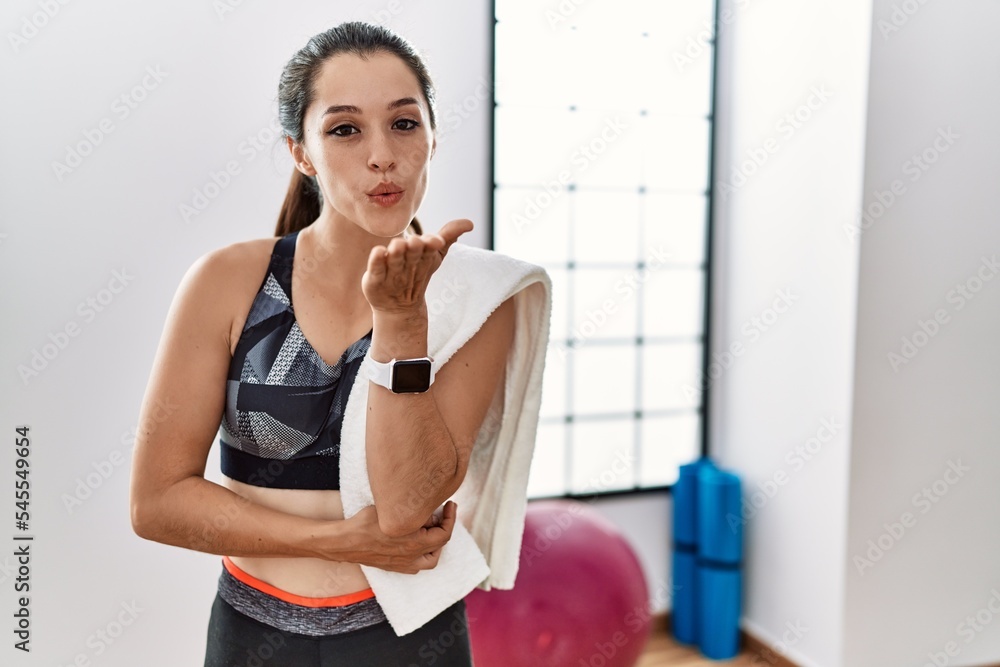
(254, 582)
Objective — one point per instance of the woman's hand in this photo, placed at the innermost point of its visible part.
(397, 275)
(408, 554)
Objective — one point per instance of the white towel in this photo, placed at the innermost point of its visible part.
(485, 545)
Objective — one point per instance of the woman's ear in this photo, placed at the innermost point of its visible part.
(300, 157)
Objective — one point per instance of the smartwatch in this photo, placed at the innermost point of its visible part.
(403, 376)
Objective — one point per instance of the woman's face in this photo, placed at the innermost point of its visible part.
(386, 136)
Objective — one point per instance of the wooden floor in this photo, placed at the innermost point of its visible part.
(663, 651)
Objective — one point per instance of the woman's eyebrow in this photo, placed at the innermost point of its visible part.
(350, 108)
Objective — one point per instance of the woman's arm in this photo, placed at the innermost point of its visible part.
(418, 445)
(172, 503)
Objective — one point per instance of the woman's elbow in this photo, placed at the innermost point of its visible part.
(394, 529)
(395, 521)
(398, 517)
(143, 516)
(141, 524)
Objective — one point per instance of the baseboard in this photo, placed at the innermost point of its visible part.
(760, 654)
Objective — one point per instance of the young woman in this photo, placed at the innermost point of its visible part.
(270, 336)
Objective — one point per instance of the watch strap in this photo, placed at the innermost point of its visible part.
(381, 372)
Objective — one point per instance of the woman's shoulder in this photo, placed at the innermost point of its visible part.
(225, 281)
(238, 253)
(232, 266)
(227, 271)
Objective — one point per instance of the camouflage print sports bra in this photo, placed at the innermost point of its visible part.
(284, 403)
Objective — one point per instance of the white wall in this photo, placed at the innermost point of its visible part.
(913, 417)
(62, 240)
(778, 230)
(646, 520)
(826, 357)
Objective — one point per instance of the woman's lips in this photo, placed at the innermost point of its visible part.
(387, 199)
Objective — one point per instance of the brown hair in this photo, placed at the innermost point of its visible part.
(303, 201)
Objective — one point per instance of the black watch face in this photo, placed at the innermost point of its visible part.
(411, 376)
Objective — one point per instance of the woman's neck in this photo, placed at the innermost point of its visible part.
(339, 251)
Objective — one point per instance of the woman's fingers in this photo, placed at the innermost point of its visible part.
(434, 242)
(376, 263)
(397, 254)
(444, 523)
(449, 517)
(415, 248)
(415, 261)
(421, 249)
(452, 230)
(400, 270)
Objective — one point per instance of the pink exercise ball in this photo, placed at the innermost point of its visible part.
(580, 598)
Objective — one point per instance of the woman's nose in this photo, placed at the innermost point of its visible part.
(381, 156)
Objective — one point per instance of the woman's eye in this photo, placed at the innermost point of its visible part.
(342, 130)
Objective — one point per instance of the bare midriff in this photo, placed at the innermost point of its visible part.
(308, 577)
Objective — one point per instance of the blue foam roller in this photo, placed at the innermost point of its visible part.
(684, 552)
(684, 603)
(720, 533)
(685, 501)
(719, 592)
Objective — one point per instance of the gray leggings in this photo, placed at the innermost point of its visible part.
(237, 640)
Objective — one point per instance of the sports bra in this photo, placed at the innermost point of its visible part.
(284, 404)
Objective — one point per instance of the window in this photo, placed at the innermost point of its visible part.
(602, 160)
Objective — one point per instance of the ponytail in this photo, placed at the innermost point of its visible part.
(302, 206)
